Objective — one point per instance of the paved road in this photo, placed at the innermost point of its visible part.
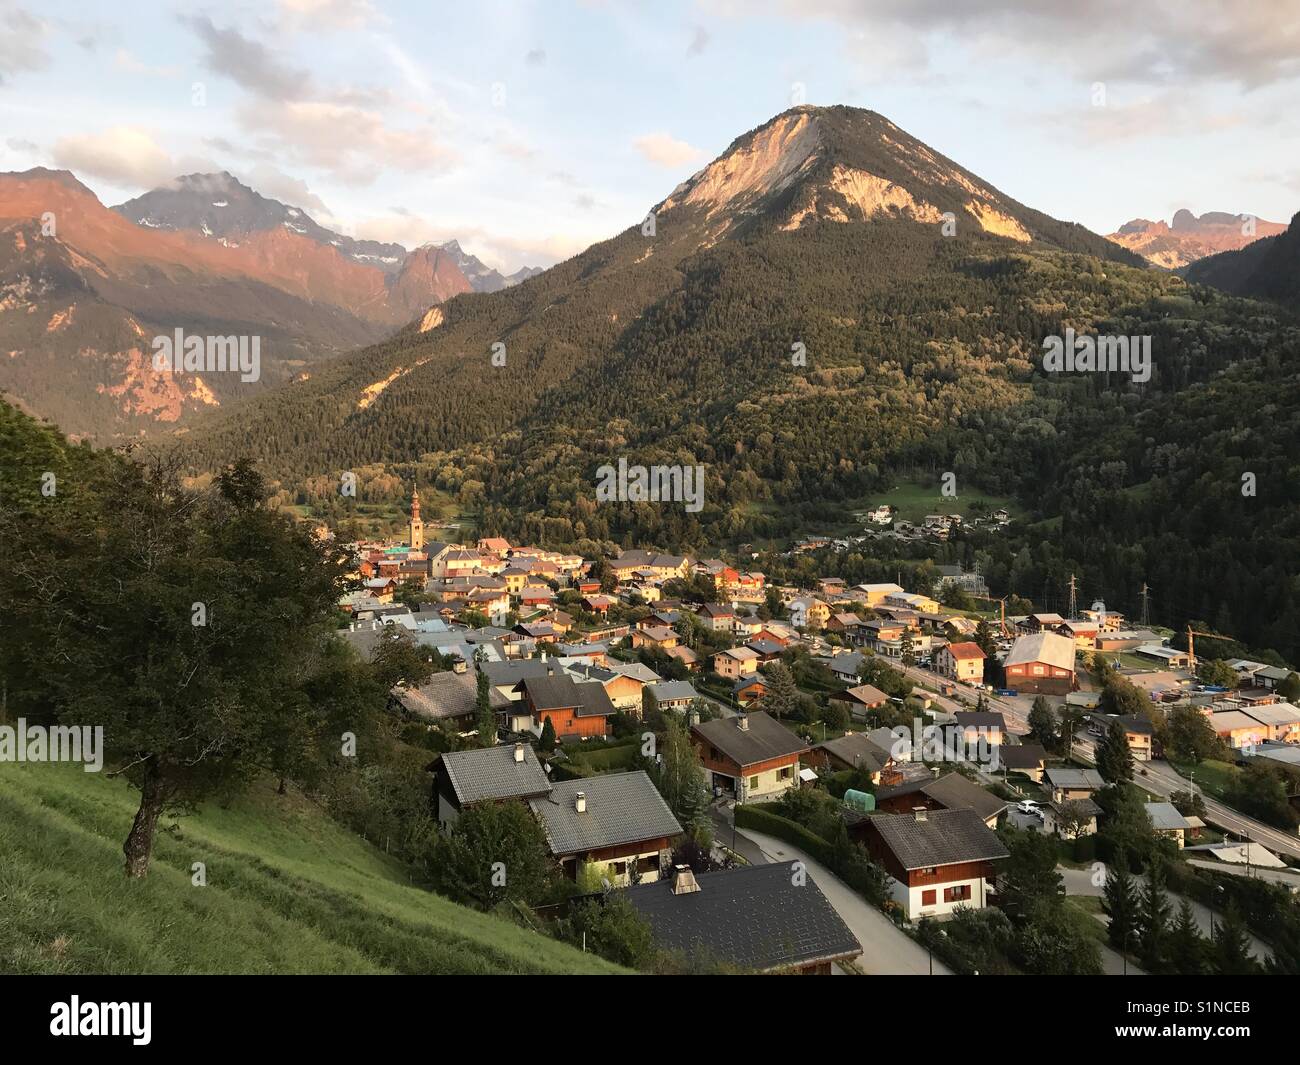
(1160, 778)
(886, 950)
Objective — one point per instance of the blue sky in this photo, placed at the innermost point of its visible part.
(528, 130)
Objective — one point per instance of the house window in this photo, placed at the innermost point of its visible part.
(753, 783)
(1038, 671)
(960, 893)
(786, 773)
(927, 897)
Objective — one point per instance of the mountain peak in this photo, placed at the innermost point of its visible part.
(842, 164)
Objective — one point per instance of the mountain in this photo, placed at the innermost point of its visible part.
(482, 277)
(1189, 238)
(1267, 269)
(798, 322)
(85, 289)
(222, 207)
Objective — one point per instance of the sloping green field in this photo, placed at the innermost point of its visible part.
(288, 891)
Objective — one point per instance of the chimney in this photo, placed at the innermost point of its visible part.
(519, 752)
(742, 722)
(684, 882)
(919, 812)
(580, 802)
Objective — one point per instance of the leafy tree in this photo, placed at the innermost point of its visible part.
(1114, 759)
(1072, 818)
(1069, 721)
(1217, 673)
(1289, 689)
(1029, 880)
(1189, 736)
(187, 623)
(495, 852)
(1042, 724)
(398, 659)
(680, 776)
(613, 928)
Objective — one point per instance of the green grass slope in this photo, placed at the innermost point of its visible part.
(288, 891)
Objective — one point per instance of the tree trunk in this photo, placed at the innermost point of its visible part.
(139, 844)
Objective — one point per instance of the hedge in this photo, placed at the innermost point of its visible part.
(854, 868)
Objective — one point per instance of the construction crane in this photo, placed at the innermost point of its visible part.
(1191, 648)
(1003, 606)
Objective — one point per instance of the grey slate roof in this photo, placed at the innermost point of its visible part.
(766, 738)
(754, 917)
(957, 792)
(621, 808)
(447, 695)
(493, 773)
(669, 690)
(1074, 779)
(980, 719)
(558, 693)
(503, 673)
(1022, 755)
(944, 837)
(858, 749)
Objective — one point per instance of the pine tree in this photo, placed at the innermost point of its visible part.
(547, 740)
(1114, 759)
(1186, 947)
(782, 698)
(1230, 952)
(1119, 901)
(485, 719)
(680, 776)
(1153, 918)
(1042, 723)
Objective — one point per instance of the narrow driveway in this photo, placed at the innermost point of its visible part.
(886, 951)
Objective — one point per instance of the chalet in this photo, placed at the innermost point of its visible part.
(598, 604)
(845, 666)
(860, 699)
(617, 821)
(1041, 664)
(596, 654)
(1168, 823)
(746, 626)
(749, 689)
(755, 918)
(767, 650)
(655, 636)
(854, 751)
(486, 774)
(1138, 731)
(988, 725)
(936, 860)
(1027, 758)
(536, 595)
(735, 662)
(587, 586)
(624, 692)
(848, 626)
(1083, 633)
(576, 711)
(831, 586)
(448, 697)
(716, 617)
(673, 694)
(777, 633)
(495, 545)
(685, 656)
(751, 757)
(962, 662)
(1067, 783)
(808, 613)
(515, 579)
(884, 637)
(952, 791)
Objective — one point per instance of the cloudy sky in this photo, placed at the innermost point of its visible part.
(528, 130)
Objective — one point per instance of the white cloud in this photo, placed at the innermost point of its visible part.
(122, 155)
(22, 42)
(666, 151)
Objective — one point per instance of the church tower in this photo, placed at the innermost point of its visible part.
(417, 526)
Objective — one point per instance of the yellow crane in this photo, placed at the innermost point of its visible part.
(1191, 647)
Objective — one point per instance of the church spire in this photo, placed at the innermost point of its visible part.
(416, 538)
